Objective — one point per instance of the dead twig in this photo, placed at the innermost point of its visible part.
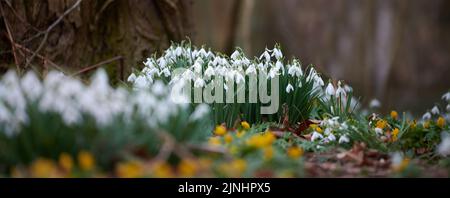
(41, 57)
(49, 29)
(16, 60)
(97, 65)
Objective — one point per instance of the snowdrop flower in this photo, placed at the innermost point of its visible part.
(318, 82)
(348, 89)
(158, 88)
(315, 136)
(279, 65)
(199, 83)
(374, 104)
(209, 72)
(397, 159)
(327, 131)
(378, 131)
(162, 62)
(344, 139)
(31, 85)
(273, 73)
(426, 116)
(340, 92)
(443, 148)
(448, 107)
(446, 97)
(200, 111)
(289, 88)
(265, 55)
(188, 75)
(277, 53)
(131, 78)
(251, 70)
(331, 137)
(435, 110)
(295, 71)
(239, 78)
(197, 67)
(329, 91)
(178, 51)
(141, 82)
(202, 52)
(235, 55)
(165, 71)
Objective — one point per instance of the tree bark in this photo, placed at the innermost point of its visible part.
(93, 32)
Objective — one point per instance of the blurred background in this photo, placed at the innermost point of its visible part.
(395, 50)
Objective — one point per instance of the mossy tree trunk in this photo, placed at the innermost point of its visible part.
(93, 32)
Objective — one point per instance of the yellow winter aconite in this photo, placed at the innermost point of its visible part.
(228, 138)
(381, 124)
(43, 168)
(220, 130)
(239, 165)
(402, 166)
(295, 152)
(318, 129)
(130, 169)
(395, 134)
(86, 161)
(214, 141)
(65, 162)
(413, 124)
(261, 141)
(268, 153)
(313, 126)
(239, 134)
(440, 122)
(426, 124)
(394, 115)
(245, 125)
(162, 170)
(187, 168)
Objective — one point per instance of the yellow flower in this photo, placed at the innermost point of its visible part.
(234, 168)
(313, 126)
(66, 162)
(395, 134)
(86, 161)
(261, 141)
(381, 124)
(130, 169)
(43, 168)
(394, 115)
(220, 130)
(413, 124)
(402, 166)
(295, 152)
(426, 124)
(319, 130)
(234, 149)
(440, 122)
(187, 168)
(228, 138)
(239, 134)
(214, 141)
(268, 153)
(245, 125)
(162, 170)
(237, 167)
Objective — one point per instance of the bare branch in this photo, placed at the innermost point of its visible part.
(49, 29)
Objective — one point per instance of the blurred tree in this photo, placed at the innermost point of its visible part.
(90, 32)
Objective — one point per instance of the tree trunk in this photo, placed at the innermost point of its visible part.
(93, 32)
